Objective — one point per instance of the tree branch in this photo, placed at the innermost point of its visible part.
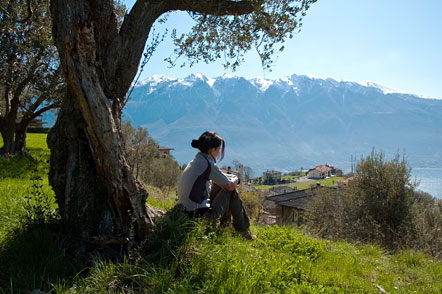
(30, 115)
(217, 7)
(138, 23)
(132, 39)
(37, 103)
(44, 109)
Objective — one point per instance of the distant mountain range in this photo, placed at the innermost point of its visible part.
(289, 123)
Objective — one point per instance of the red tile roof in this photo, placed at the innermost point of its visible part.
(323, 168)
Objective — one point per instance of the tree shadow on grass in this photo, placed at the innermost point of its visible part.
(37, 257)
(21, 166)
(34, 258)
(172, 231)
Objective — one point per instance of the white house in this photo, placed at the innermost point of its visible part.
(320, 172)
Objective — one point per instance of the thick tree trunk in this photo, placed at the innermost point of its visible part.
(96, 191)
(7, 130)
(8, 141)
(87, 210)
(20, 138)
(8, 122)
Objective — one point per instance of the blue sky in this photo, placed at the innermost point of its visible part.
(397, 43)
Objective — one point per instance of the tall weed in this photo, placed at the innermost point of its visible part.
(40, 208)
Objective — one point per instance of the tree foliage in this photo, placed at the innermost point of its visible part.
(141, 148)
(376, 206)
(30, 77)
(427, 218)
(251, 202)
(230, 36)
(149, 166)
(385, 190)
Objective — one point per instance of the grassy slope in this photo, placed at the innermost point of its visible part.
(184, 256)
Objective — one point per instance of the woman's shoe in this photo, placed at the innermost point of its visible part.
(247, 235)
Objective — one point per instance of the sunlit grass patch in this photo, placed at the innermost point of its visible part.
(329, 182)
(273, 263)
(11, 205)
(37, 141)
(15, 181)
(22, 166)
(163, 200)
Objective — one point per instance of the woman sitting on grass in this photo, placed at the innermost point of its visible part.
(195, 186)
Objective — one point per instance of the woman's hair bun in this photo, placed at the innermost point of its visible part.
(195, 143)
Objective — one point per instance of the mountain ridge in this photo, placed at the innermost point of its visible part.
(290, 122)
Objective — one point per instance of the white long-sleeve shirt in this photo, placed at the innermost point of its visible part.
(194, 183)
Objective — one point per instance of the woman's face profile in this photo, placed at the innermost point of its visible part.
(215, 152)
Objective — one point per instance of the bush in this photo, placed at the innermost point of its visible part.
(332, 214)
(427, 213)
(39, 207)
(250, 200)
(386, 193)
(149, 166)
(375, 207)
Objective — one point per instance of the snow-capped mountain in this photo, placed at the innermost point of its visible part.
(288, 123)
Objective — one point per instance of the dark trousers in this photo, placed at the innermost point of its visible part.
(224, 204)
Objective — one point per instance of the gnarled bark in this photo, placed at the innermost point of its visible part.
(84, 205)
(91, 172)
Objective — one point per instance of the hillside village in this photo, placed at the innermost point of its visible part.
(283, 197)
(284, 202)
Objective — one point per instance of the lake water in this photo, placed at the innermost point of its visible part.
(430, 180)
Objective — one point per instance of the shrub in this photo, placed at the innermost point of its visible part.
(250, 200)
(161, 171)
(427, 213)
(376, 207)
(332, 214)
(39, 207)
(385, 193)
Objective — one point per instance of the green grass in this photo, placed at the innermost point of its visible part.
(187, 256)
(15, 180)
(288, 177)
(280, 260)
(159, 199)
(31, 256)
(329, 182)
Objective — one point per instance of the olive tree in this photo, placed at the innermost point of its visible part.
(30, 77)
(94, 184)
(146, 160)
